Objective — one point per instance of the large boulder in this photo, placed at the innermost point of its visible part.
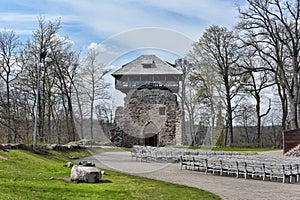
(85, 174)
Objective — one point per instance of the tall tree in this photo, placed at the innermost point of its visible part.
(9, 70)
(51, 64)
(188, 102)
(204, 83)
(218, 48)
(272, 28)
(258, 80)
(43, 39)
(65, 64)
(80, 96)
(95, 88)
(245, 118)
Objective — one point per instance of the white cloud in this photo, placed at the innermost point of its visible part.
(190, 17)
(26, 23)
(123, 26)
(17, 17)
(147, 40)
(212, 10)
(99, 48)
(18, 22)
(121, 29)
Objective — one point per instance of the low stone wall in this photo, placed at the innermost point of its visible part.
(15, 146)
(46, 146)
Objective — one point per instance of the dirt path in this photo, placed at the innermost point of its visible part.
(228, 188)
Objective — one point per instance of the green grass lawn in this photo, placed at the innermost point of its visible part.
(25, 175)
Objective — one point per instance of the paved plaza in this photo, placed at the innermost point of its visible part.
(228, 188)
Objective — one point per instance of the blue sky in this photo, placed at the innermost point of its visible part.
(107, 21)
(123, 29)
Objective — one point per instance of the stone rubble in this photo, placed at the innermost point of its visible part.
(56, 147)
(294, 152)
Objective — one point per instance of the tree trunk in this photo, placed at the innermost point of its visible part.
(228, 108)
(92, 122)
(284, 104)
(8, 110)
(72, 128)
(80, 112)
(294, 111)
(258, 126)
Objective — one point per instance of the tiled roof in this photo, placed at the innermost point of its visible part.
(146, 64)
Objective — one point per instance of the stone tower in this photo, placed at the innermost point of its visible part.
(151, 114)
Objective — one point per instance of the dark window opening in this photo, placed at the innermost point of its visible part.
(162, 111)
(147, 65)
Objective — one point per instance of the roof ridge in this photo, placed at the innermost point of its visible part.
(135, 67)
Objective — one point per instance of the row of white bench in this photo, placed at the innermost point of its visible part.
(157, 155)
(148, 153)
(245, 169)
(238, 164)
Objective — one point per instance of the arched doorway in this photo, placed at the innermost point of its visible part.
(151, 134)
(151, 141)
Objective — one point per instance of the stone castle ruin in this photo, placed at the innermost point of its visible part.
(151, 115)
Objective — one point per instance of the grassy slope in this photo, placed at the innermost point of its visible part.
(24, 175)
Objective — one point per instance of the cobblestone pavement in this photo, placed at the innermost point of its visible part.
(228, 188)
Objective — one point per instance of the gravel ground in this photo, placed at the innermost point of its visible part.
(228, 188)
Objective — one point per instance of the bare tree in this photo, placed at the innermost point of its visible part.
(65, 63)
(9, 70)
(104, 114)
(218, 48)
(245, 118)
(40, 83)
(50, 85)
(94, 86)
(80, 96)
(38, 47)
(205, 84)
(272, 28)
(275, 136)
(258, 81)
(187, 97)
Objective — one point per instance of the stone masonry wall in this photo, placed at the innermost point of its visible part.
(149, 112)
